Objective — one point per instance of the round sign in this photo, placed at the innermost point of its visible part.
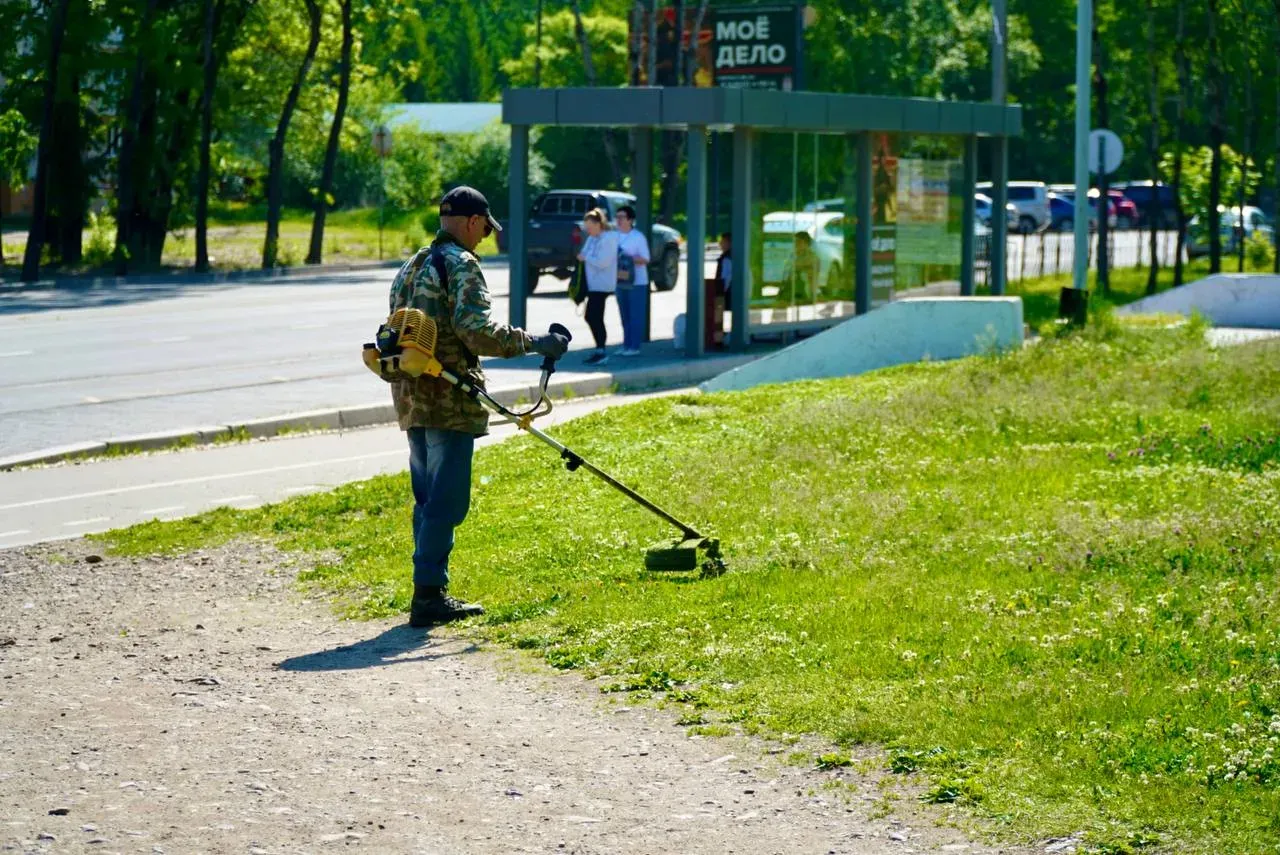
(382, 141)
(1106, 149)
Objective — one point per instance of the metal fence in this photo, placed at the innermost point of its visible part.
(1032, 256)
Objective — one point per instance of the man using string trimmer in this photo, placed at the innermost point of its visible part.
(444, 280)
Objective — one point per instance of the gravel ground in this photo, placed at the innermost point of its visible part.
(202, 704)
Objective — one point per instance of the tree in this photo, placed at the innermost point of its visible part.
(219, 33)
(1184, 94)
(1217, 133)
(588, 67)
(17, 147)
(1153, 143)
(36, 233)
(323, 197)
(275, 168)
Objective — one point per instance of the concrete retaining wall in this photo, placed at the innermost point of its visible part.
(1226, 299)
(903, 331)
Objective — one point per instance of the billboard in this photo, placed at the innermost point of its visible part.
(741, 47)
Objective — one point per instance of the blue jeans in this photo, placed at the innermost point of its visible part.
(440, 471)
(633, 305)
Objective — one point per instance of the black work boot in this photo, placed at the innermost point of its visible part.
(433, 605)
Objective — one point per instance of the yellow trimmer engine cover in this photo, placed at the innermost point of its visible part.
(405, 345)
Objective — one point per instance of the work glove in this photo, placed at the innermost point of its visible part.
(553, 345)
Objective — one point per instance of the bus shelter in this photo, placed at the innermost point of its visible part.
(839, 202)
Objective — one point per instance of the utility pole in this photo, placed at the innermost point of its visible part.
(1000, 148)
(1084, 29)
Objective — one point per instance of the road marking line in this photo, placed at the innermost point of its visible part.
(165, 510)
(14, 533)
(230, 499)
(86, 522)
(183, 481)
(17, 353)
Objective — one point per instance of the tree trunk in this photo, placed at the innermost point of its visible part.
(634, 62)
(1216, 138)
(584, 44)
(1246, 131)
(36, 233)
(691, 60)
(275, 167)
(678, 71)
(1275, 235)
(315, 254)
(651, 58)
(1184, 88)
(212, 11)
(1153, 147)
(130, 134)
(69, 187)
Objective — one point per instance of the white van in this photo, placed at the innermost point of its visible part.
(1031, 198)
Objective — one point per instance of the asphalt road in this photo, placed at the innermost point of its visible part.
(69, 499)
(79, 365)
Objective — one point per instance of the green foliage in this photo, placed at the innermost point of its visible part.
(17, 148)
(1196, 165)
(562, 55)
(1260, 251)
(965, 562)
(99, 249)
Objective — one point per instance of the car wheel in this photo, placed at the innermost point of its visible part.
(532, 281)
(1026, 225)
(670, 269)
(1124, 223)
(1066, 224)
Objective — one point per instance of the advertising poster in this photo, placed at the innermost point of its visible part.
(739, 47)
(884, 218)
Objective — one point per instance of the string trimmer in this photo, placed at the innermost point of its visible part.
(406, 347)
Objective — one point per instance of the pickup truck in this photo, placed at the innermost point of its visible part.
(556, 233)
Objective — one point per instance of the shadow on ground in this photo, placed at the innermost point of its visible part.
(393, 646)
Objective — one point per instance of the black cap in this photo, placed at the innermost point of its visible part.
(467, 201)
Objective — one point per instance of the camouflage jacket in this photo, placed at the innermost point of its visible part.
(464, 331)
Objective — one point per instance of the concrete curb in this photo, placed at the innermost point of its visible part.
(179, 277)
(666, 375)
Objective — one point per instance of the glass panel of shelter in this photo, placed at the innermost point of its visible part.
(803, 247)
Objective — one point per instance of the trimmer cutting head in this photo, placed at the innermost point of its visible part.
(701, 554)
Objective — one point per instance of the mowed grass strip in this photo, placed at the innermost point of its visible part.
(1048, 582)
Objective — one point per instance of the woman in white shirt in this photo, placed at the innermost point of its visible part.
(633, 292)
(600, 255)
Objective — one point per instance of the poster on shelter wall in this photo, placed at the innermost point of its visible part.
(924, 233)
(884, 218)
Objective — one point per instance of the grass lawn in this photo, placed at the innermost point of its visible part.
(1047, 582)
(236, 233)
(1040, 295)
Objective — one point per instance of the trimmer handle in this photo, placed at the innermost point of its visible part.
(549, 364)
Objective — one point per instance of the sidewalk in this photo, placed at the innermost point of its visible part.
(660, 366)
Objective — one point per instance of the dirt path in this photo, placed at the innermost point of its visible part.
(200, 704)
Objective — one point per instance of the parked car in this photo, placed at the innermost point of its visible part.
(982, 209)
(556, 233)
(1145, 195)
(1229, 226)
(1031, 198)
(825, 229)
(1063, 208)
(1126, 212)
